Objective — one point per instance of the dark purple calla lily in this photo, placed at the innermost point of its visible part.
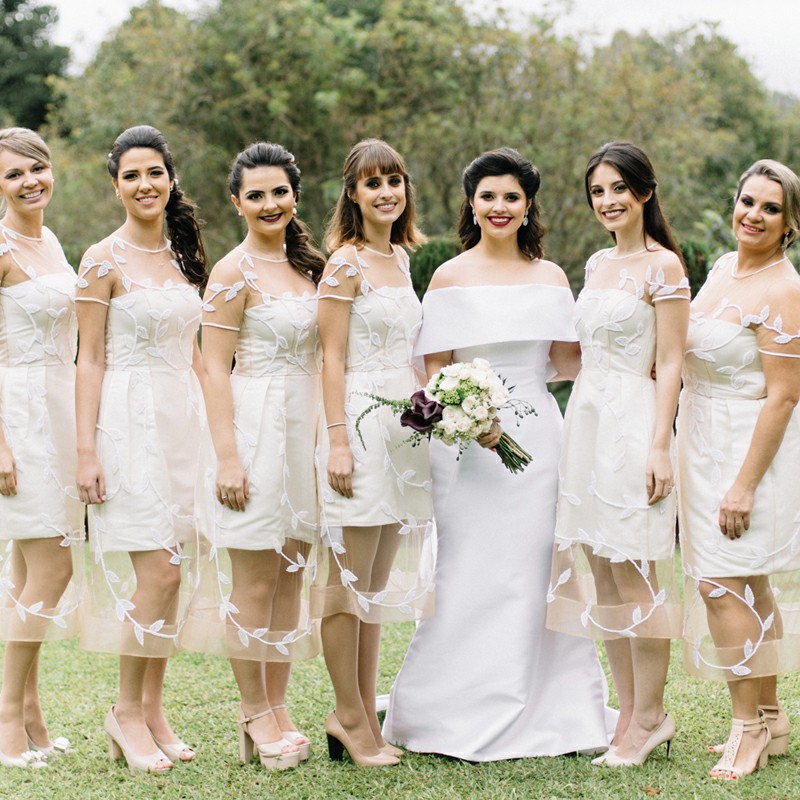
(423, 414)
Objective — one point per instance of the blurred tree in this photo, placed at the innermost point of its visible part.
(27, 59)
(440, 84)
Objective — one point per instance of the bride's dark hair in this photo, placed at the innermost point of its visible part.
(504, 161)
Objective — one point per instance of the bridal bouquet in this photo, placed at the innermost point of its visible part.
(458, 405)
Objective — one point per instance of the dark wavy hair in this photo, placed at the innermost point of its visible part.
(636, 170)
(302, 255)
(183, 227)
(371, 157)
(504, 161)
(789, 182)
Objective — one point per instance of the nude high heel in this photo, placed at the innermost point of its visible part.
(174, 751)
(296, 738)
(725, 769)
(279, 754)
(665, 732)
(339, 741)
(779, 729)
(118, 748)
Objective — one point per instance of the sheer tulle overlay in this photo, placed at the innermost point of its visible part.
(38, 336)
(148, 433)
(276, 398)
(613, 569)
(390, 511)
(735, 324)
(483, 678)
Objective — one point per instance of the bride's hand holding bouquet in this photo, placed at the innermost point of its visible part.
(460, 404)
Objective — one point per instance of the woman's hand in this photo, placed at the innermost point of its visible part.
(233, 485)
(90, 479)
(734, 512)
(8, 471)
(491, 438)
(660, 478)
(340, 469)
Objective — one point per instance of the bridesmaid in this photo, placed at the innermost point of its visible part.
(738, 451)
(259, 503)
(41, 520)
(377, 504)
(613, 568)
(139, 411)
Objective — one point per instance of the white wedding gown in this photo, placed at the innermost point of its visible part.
(484, 679)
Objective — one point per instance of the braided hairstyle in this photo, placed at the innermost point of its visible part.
(303, 256)
(183, 227)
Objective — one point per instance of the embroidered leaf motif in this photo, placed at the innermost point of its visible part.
(749, 597)
(138, 632)
(348, 577)
(740, 670)
(243, 637)
(718, 592)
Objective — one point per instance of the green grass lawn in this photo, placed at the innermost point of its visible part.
(78, 688)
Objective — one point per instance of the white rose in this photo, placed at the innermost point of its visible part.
(470, 401)
(450, 370)
(448, 382)
(463, 424)
(498, 399)
(481, 363)
(451, 414)
(480, 413)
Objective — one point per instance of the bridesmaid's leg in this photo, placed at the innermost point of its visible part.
(341, 638)
(650, 658)
(731, 622)
(620, 662)
(370, 634)
(620, 658)
(42, 571)
(255, 575)
(285, 617)
(157, 585)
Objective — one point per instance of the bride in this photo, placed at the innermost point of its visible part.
(484, 679)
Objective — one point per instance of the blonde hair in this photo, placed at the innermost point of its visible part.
(25, 142)
(371, 157)
(789, 182)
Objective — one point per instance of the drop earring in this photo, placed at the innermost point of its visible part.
(474, 217)
(525, 220)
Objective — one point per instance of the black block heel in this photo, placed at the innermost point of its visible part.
(335, 748)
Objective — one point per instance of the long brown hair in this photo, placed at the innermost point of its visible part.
(636, 170)
(346, 226)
